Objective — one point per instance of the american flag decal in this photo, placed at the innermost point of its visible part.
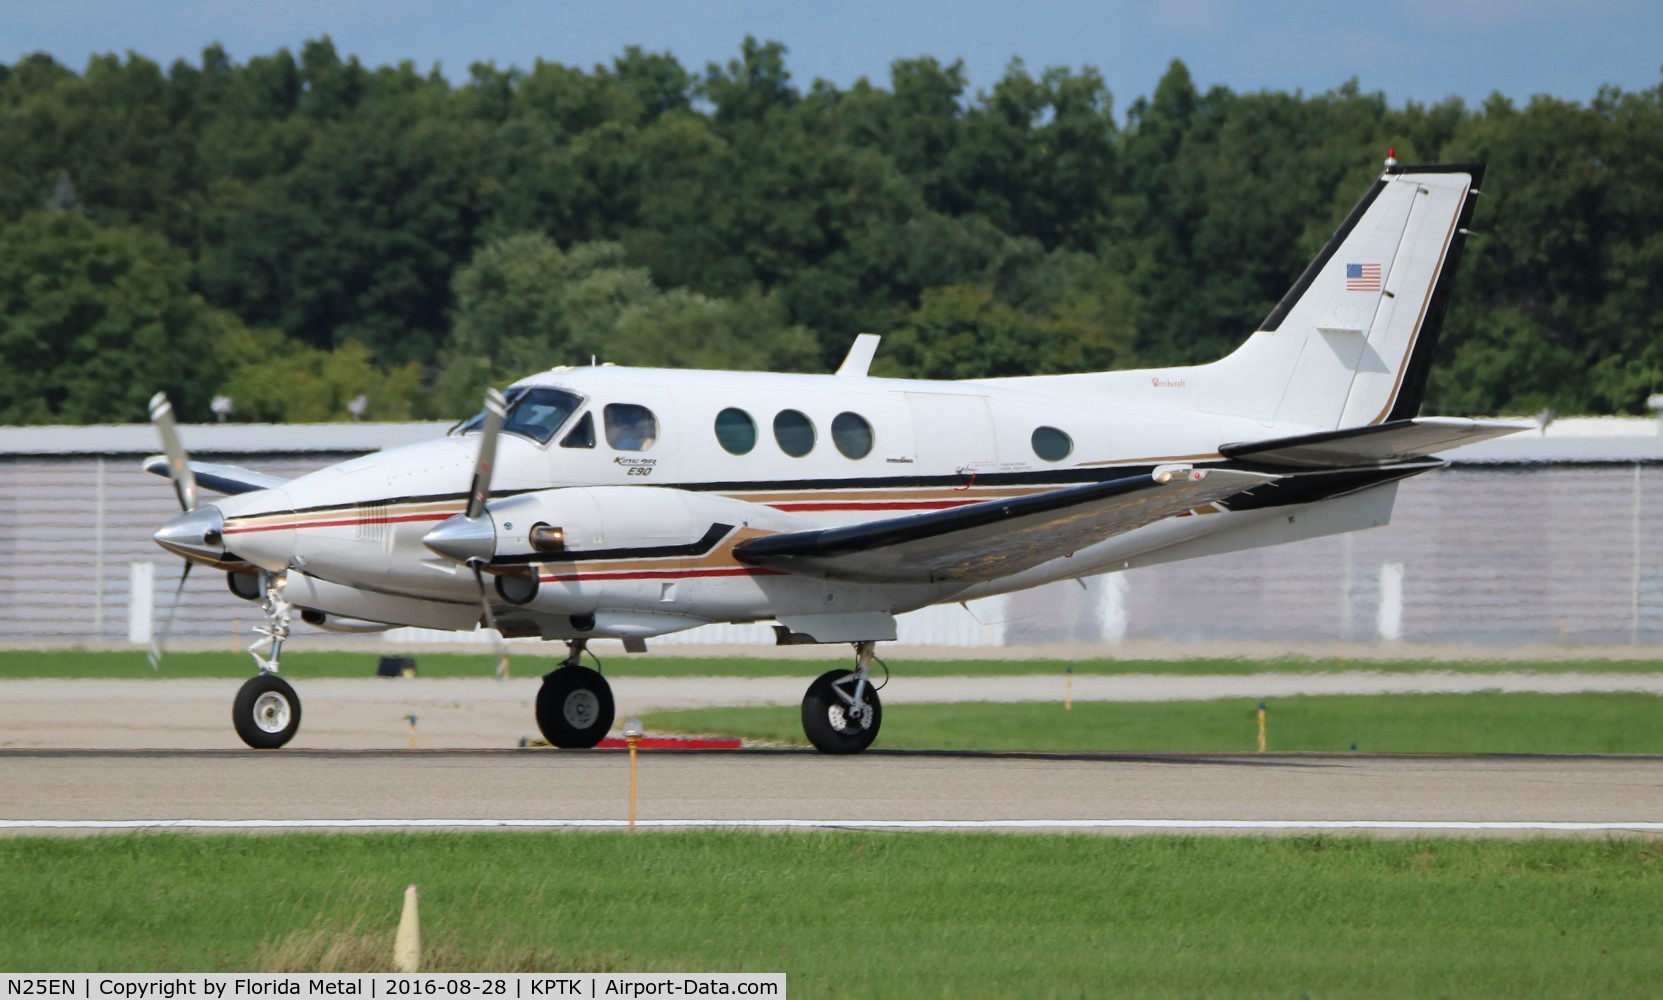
(1362, 277)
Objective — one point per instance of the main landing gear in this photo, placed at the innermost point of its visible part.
(266, 712)
(841, 711)
(574, 705)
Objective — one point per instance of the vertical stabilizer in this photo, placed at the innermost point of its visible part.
(1351, 342)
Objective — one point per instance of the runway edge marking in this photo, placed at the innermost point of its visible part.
(870, 824)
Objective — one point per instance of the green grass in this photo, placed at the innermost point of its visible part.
(864, 914)
(301, 663)
(1486, 722)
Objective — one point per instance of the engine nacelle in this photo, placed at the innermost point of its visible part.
(583, 550)
(585, 523)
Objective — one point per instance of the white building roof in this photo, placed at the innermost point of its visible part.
(216, 439)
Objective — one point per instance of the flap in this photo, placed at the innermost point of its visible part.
(996, 538)
(1389, 443)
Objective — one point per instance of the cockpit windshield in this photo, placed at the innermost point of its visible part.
(535, 412)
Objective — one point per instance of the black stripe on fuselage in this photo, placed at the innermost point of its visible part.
(1060, 478)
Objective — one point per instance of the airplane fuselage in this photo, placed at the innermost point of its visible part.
(640, 519)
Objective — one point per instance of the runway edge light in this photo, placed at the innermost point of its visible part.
(633, 732)
(407, 947)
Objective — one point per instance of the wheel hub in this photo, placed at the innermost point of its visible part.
(845, 720)
(271, 712)
(581, 709)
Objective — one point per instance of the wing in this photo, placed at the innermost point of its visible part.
(997, 538)
(228, 479)
(1373, 446)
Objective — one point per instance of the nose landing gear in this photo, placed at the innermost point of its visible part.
(266, 712)
(842, 711)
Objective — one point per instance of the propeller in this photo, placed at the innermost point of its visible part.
(159, 640)
(178, 463)
(184, 487)
(479, 491)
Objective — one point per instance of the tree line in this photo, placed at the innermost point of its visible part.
(300, 228)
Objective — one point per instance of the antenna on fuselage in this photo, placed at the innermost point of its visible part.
(860, 356)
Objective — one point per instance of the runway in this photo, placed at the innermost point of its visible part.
(89, 790)
(483, 713)
(80, 756)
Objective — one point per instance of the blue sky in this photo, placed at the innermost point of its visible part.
(1421, 50)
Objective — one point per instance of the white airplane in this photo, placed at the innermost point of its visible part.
(628, 503)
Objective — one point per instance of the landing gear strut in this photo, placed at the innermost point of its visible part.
(574, 705)
(841, 711)
(266, 712)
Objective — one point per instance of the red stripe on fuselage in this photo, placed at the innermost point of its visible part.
(347, 522)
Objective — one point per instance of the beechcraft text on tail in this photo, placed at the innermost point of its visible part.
(628, 503)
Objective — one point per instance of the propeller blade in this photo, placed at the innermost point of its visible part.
(484, 597)
(479, 490)
(178, 463)
(158, 640)
(478, 567)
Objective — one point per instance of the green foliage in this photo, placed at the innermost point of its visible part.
(93, 320)
(279, 380)
(523, 304)
(732, 217)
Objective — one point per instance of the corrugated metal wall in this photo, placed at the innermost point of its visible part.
(1499, 555)
(1491, 555)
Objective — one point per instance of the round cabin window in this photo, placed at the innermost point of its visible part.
(852, 435)
(736, 431)
(794, 432)
(1051, 444)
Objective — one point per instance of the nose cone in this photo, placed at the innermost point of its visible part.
(198, 534)
(462, 540)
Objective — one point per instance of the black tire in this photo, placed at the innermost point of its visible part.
(574, 708)
(824, 721)
(266, 712)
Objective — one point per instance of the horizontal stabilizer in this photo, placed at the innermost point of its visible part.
(1390, 443)
(988, 540)
(227, 479)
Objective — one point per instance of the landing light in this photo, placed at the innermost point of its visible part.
(1178, 473)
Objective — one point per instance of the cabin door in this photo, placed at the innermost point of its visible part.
(953, 433)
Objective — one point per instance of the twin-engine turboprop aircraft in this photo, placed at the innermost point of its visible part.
(632, 502)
